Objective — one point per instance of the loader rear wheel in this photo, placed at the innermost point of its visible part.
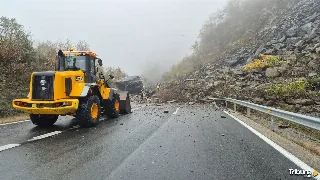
(89, 111)
(114, 110)
(43, 120)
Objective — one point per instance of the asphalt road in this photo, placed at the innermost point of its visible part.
(193, 143)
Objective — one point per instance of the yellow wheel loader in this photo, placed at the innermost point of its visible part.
(72, 89)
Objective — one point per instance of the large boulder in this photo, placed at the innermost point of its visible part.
(132, 84)
(272, 72)
(307, 28)
(292, 32)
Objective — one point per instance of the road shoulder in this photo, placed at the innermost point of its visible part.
(12, 119)
(300, 152)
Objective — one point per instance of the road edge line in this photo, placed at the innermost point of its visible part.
(15, 122)
(284, 152)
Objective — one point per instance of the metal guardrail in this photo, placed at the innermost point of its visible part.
(308, 121)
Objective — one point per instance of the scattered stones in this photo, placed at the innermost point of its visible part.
(238, 72)
(270, 103)
(258, 100)
(312, 74)
(304, 102)
(191, 103)
(306, 109)
(300, 43)
(283, 126)
(316, 45)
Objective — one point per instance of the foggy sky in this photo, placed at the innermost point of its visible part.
(131, 34)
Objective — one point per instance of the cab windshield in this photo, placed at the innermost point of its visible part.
(75, 62)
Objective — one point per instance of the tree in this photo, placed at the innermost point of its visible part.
(46, 55)
(16, 55)
(118, 73)
(82, 46)
(15, 42)
(64, 46)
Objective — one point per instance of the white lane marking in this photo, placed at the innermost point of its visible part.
(14, 122)
(45, 135)
(176, 112)
(8, 146)
(288, 155)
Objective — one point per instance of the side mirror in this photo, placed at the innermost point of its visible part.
(111, 77)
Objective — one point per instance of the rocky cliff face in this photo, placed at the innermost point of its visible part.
(291, 33)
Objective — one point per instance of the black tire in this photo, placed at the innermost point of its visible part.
(112, 112)
(86, 115)
(42, 120)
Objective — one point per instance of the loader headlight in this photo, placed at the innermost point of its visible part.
(18, 103)
(67, 104)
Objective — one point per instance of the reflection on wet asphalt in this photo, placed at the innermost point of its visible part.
(192, 142)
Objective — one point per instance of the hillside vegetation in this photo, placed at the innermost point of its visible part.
(19, 57)
(264, 51)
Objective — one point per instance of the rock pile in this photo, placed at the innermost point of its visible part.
(293, 34)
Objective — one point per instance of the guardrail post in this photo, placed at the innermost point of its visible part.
(234, 106)
(272, 124)
(248, 112)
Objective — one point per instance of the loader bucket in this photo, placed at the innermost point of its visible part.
(125, 105)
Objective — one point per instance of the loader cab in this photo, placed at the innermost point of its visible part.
(77, 61)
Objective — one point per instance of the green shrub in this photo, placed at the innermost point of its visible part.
(289, 89)
(264, 61)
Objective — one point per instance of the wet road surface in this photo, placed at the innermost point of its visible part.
(192, 142)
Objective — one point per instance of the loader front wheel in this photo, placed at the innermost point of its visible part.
(89, 111)
(114, 110)
(43, 120)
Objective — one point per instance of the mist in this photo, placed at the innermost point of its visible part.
(139, 36)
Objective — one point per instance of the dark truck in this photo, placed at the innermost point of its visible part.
(132, 84)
